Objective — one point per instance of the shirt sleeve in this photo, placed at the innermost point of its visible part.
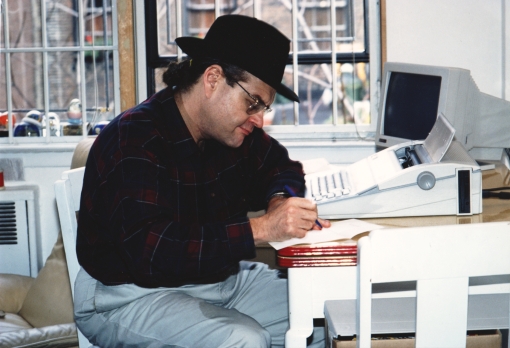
(274, 169)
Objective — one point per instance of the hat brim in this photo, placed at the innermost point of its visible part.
(196, 48)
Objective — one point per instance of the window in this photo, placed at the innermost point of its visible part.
(328, 69)
(58, 69)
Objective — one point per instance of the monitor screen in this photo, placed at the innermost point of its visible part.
(412, 102)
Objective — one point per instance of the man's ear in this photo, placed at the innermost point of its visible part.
(212, 75)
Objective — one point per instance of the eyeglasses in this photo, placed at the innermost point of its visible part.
(257, 106)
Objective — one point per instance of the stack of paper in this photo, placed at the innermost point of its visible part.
(333, 246)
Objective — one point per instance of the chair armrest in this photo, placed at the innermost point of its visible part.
(63, 335)
(13, 289)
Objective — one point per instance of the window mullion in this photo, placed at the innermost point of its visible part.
(294, 13)
(257, 12)
(180, 15)
(54, 49)
(217, 8)
(374, 48)
(140, 56)
(8, 77)
(46, 87)
(106, 58)
(82, 73)
(116, 72)
(334, 80)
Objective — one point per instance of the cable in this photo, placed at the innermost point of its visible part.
(497, 188)
(489, 193)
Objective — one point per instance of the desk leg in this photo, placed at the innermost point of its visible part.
(300, 307)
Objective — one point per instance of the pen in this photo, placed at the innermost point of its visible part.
(292, 194)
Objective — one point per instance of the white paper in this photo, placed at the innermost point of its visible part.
(345, 229)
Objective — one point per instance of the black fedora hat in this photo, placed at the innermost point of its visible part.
(248, 43)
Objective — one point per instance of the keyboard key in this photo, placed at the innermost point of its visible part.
(323, 188)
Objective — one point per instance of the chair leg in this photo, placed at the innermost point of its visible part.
(364, 298)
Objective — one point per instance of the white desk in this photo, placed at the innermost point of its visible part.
(310, 287)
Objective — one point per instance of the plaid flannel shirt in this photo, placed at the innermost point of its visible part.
(158, 211)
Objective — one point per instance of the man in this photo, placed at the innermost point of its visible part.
(163, 224)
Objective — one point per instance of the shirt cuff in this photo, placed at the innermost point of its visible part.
(278, 194)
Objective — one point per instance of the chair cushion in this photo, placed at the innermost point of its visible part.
(57, 336)
(13, 289)
(12, 322)
(49, 301)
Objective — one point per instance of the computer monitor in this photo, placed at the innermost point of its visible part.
(412, 96)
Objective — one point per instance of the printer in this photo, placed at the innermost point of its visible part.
(436, 176)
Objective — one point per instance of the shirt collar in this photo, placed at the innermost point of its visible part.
(179, 135)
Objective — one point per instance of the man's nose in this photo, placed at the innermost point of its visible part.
(257, 119)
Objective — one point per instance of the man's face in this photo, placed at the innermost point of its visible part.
(227, 118)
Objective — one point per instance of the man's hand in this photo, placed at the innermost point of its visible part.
(286, 218)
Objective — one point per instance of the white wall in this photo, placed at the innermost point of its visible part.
(469, 34)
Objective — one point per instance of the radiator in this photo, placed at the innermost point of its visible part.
(18, 252)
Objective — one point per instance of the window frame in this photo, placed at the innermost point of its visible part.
(80, 48)
(303, 138)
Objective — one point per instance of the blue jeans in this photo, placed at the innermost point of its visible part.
(249, 309)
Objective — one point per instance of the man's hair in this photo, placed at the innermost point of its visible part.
(184, 74)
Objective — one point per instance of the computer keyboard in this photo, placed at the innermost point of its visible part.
(329, 185)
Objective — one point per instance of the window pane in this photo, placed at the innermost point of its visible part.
(240, 7)
(283, 109)
(2, 32)
(98, 23)
(100, 94)
(27, 81)
(314, 26)
(27, 91)
(24, 23)
(167, 27)
(64, 86)
(355, 94)
(315, 94)
(159, 79)
(314, 30)
(358, 44)
(63, 75)
(62, 23)
(198, 15)
(3, 90)
(278, 14)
